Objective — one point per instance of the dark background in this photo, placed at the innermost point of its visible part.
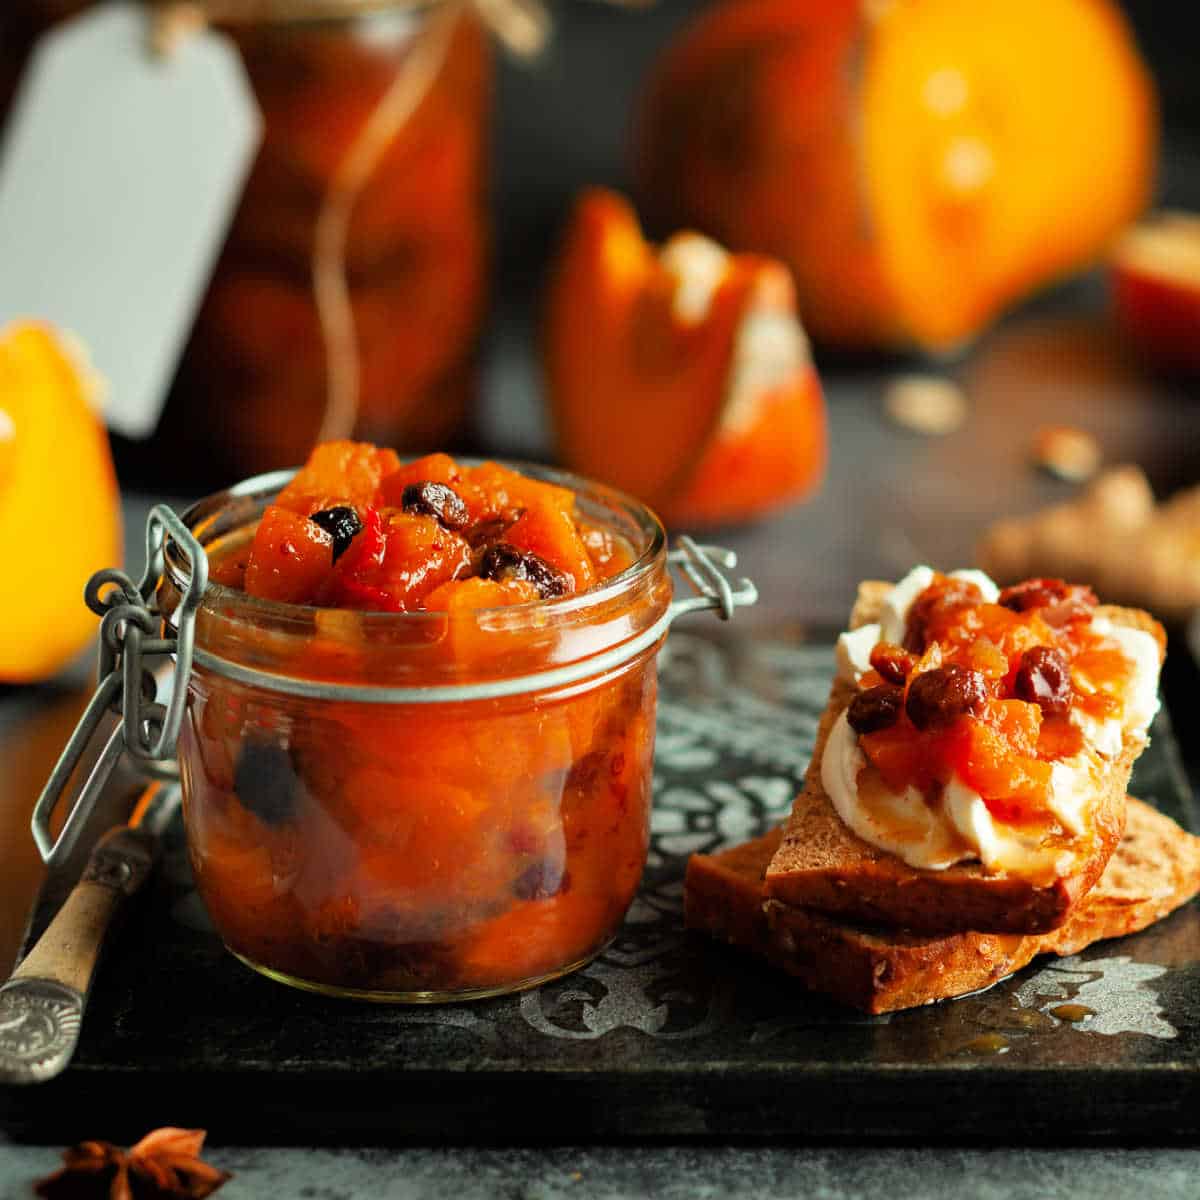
(563, 122)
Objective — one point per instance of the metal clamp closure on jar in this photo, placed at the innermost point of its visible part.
(130, 633)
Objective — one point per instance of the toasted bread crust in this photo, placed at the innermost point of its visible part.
(1155, 869)
(821, 864)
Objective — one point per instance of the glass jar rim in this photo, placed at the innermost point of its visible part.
(203, 514)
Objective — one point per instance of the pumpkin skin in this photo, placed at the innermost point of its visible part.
(679, 374)
(919, 164)
(1154, 278)
(60, 509)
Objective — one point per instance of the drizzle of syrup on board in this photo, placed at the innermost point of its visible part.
(1072, 1012)
(987, 1044)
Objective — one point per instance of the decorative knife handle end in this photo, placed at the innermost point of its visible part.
(41, 1006)
(39, 1028)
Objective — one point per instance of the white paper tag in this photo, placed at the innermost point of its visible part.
(119, 176)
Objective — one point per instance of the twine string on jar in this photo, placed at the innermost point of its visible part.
(331, 288)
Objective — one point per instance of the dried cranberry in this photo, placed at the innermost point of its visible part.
(1047, 593)
(933, 606)
(503, 561)
(545, 878)
(342, 524)
(875, 708)
(266, 781)
(939, 697)
(892, 662)
(1044, 679)
(436, 500)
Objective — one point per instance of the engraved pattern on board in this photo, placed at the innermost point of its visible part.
(39, 1026)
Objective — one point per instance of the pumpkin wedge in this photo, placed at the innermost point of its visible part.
(679, 374)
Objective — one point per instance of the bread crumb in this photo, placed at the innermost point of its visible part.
(1067, 453)
(926, 404)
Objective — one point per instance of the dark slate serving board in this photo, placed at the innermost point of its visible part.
(665, 1034)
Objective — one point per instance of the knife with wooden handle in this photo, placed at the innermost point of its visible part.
(41, 1006)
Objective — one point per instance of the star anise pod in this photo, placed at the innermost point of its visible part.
(164, 1165)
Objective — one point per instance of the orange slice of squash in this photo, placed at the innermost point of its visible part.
(60, 510)
(679, 374)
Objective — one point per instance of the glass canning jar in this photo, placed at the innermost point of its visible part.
(423, 806)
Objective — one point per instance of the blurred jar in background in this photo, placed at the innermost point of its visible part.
(256, 385)
(349, 294)
(261, 380)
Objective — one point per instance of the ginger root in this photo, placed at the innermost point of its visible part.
(1114, 536)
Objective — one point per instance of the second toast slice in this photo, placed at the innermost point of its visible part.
(1154, 870)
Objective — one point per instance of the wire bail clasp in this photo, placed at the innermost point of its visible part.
(704, 568)
(130, 632)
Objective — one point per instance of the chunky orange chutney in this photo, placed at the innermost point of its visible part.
(356, 529)
(993, 694)
(408, 850)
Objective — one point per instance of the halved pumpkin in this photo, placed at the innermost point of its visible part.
(919, 164)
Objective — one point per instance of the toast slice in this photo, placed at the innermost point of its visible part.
(822, 864)
(1154, 870)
